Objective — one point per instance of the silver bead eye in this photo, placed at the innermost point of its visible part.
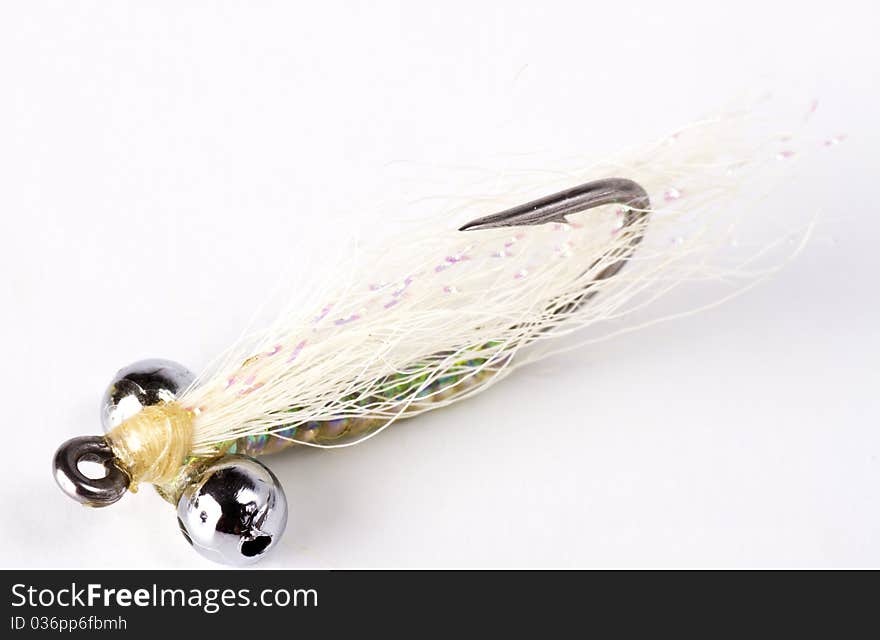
(142, 384)
(235, 512)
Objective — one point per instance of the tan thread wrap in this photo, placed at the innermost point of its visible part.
(153, 444)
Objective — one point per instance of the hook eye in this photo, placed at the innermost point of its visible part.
(92, 492)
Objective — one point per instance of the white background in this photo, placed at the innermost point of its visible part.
(159, 160)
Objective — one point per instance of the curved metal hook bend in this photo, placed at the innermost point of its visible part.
(555, 208)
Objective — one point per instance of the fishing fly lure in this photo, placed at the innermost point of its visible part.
(432, 321)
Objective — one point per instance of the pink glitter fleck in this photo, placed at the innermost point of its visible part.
(830, 142)
(390, 304)
(451, 260)
(406, 283)
(786, 153)
(296, 351)
(230, 382)
(324, 313)
(672, 194)
(248, 390)
(450, 289)
(564, 249)
(274, 350)
(341, 321)
(522, 273)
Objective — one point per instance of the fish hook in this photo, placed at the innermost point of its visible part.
(556, 208)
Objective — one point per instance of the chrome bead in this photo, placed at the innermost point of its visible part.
(142, 384)
(235, 512)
